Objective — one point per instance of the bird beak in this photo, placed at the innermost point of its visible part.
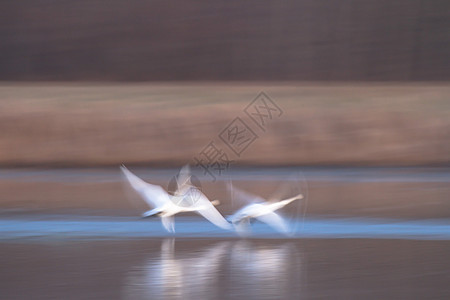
(215, 202)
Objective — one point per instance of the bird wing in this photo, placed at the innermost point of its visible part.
(243, 196)
(184, 176)
(168, 223)
(274, 220)
(154, 195)
(206, 209)
(242, 226)
(183, 180)
(281, 192)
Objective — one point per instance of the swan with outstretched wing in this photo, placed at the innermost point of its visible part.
(260, 209)
(167, 206)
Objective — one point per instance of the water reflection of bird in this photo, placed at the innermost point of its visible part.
(185, 276)
(217, 270)
(265, 270)
(167, 206)
(260, 209)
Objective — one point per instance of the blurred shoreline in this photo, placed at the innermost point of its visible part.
(166, 124)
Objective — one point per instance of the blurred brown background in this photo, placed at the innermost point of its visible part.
(289, 49)
(225, 40)
(168, 124)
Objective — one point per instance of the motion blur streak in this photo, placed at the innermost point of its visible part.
(73, 227)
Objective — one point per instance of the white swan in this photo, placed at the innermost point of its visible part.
(166, 206)
(261, 210)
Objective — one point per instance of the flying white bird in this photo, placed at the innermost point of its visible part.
(167, 206)
(260, 209)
